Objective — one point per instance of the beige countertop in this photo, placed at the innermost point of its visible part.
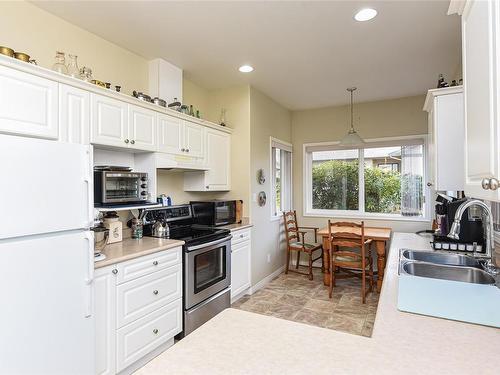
(245, 223)
(237, 341)
(131, 248)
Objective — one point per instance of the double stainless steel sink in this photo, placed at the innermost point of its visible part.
(445, 266)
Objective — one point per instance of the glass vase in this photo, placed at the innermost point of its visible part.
(73, 70)
(60, 63)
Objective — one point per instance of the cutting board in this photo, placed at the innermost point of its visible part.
(465, 302)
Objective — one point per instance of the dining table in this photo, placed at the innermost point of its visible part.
(379, 237)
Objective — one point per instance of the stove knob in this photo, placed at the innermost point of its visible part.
(144, 186)
(144, 193)
(144, 178)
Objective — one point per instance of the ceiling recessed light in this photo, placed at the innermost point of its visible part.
(365, 14)
(245, 69)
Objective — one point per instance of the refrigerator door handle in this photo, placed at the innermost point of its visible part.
(89, 187)
(89, 303)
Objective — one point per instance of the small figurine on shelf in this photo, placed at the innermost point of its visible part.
(191, 110)
(453, 83)
(223, 117)
(118, 88)
(198, 114)
(441, 82)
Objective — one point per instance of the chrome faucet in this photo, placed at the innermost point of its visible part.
(487, 225)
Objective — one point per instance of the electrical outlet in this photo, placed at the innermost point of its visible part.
(268, 258)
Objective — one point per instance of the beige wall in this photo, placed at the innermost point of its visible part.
(28, 29)
(267, 119)
(387, 118)
(195, 95)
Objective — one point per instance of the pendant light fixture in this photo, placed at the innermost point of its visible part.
(352, 138)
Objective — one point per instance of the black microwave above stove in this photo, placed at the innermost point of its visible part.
(214, 212)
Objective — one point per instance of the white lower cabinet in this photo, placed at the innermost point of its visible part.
(105, 320)
(137, 339)
(137, 313)
(240, 262)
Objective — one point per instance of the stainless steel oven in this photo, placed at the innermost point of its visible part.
(119, 187)
(207, 281)
(208, 270)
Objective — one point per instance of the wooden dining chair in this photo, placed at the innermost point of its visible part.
(343, 244)
(295, 241)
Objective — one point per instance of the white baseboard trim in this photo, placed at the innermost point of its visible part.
(266, 280)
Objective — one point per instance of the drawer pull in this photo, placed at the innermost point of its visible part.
(155, 331)
(155, 292)
(115, 271)
(241, 236)
(155, 263)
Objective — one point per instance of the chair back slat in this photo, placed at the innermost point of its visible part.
(344, 238)
(290, 224)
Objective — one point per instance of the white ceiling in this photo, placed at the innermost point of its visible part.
(305, 53)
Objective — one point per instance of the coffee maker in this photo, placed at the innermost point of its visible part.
(471, 236)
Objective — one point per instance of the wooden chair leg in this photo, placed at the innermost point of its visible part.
(298, 260)
(332, 276)
(310, 266)
(363, 284)
(287, 261)
(322, 260)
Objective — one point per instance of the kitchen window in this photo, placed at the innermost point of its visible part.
(281, 177)
(382, 180)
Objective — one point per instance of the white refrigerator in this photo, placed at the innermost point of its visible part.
(46, 257)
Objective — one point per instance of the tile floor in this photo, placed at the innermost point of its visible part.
(294, 297)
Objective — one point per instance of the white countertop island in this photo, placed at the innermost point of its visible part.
(239, 342)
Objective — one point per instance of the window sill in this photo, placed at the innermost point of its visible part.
(365, 216)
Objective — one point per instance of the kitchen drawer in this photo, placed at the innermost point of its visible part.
(241, 236)
(141, 296)
(141, 337)
(145, 265)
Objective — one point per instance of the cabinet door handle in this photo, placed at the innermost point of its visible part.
(429, 184)
(485, 183)
(187, 149)
(207, 187)
(241, 236)
(155, 263)
(183, 149)
(493, 184)
(132, 142)
(115, 271)
(127, 141)
(155, 331)
(155, 292)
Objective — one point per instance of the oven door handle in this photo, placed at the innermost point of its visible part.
(207, 244)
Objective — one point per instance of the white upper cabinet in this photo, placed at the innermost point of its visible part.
(193, 139)
(142, 128)
(218, 157)
(180, 137)
(74, 114)
(28, 104)
(170, 135)
(109, 122)
(446, 138)
(479, 26)
(218, 175)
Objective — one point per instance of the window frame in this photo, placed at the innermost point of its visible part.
(308, 211)
(285, 146)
